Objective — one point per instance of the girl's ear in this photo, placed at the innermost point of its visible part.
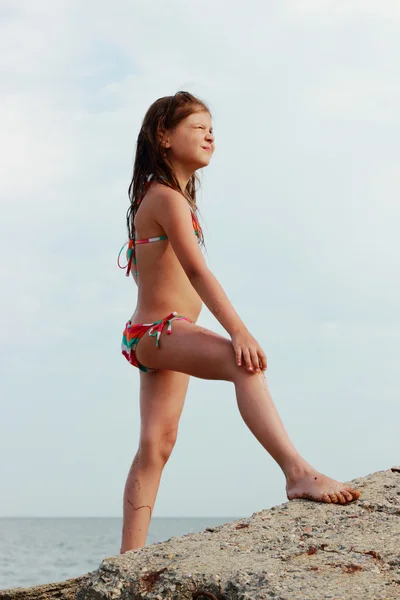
(163, 138)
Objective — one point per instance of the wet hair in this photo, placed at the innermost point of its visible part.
(165, 113)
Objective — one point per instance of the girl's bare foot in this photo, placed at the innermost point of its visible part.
(312, 485)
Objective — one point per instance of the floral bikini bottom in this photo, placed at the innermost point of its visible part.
(134, 332)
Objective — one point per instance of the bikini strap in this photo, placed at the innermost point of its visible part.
(131, 252)
(146, 185)
(196, 225)
(131, 255)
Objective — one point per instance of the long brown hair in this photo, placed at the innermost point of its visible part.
(164, 113)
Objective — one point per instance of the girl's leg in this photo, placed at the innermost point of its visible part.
(261, 416)
(194, 350)
(162, 396)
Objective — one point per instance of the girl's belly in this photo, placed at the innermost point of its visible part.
(158, 299)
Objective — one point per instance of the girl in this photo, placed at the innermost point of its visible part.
(173, 280)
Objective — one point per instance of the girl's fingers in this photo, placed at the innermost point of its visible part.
(238, 354)
(247, 359)
(254, 358)
(263, 359)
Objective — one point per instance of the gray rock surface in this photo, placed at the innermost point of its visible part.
(64, 590)
(299, 550)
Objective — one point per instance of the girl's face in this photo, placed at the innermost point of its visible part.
(191, 143)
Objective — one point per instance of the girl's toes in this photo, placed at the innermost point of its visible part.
(334, 498)
(326, 498)
(355, 493)
(341, 498)
(347, 495)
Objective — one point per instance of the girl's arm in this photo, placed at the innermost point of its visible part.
(174, 216)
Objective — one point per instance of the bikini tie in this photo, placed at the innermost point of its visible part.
(158, 327)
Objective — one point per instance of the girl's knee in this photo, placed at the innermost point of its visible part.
(242, 374)
(156, 447)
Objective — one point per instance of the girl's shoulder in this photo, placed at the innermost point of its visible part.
(164, 199)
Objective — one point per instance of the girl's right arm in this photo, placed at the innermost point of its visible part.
(174, 216)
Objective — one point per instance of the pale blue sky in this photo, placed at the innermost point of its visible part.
(301, 217)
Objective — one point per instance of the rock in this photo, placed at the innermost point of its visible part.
(65, 590)
(301, 550)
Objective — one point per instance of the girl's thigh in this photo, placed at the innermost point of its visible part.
(190, 349)
(162, 397)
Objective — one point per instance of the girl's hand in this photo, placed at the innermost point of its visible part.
(248, 351)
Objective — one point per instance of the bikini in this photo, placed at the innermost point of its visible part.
(134, 332)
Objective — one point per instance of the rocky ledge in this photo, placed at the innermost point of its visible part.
(299, 550)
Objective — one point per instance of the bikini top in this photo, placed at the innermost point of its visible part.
(132, 242)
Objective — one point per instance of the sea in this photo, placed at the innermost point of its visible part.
(42, 550)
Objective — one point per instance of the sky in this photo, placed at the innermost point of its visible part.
(300, 211)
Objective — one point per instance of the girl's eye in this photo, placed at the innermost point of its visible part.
(202, 127)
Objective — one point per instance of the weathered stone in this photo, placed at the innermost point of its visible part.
(64, 590)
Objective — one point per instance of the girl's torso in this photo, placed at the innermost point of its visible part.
(163, 285)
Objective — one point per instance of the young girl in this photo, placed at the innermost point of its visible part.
(173, 280)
